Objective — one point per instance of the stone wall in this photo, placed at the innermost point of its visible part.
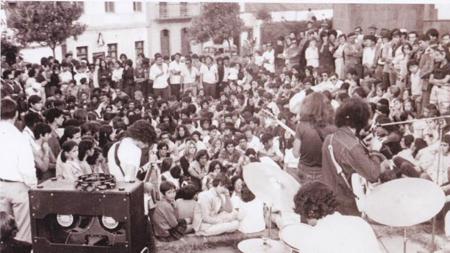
(443, 26)
(410, 16)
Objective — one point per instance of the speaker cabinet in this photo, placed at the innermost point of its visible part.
(66, 220)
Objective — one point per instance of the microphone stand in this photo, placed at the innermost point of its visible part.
(412, 121)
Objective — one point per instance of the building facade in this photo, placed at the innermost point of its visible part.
(127, 27)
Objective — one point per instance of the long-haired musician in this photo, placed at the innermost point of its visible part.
(343, 154)
(316, 122)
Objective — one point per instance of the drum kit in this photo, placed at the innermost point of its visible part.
(399, 203)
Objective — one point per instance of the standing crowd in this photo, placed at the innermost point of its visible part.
(187, 124)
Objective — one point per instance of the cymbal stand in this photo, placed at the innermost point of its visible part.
(269, 236)
(404, 240)
(433, 222)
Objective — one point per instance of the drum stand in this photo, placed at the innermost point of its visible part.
(263, 244)
(404, 240)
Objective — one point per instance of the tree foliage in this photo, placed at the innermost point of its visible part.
(9, 50)
(264, 15)
(217, 21)
(47, 23)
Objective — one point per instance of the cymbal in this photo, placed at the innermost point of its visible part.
(262, 246)
(271, 184)
(404, 202)
(296, 236)
(269, 161)
(296, 101)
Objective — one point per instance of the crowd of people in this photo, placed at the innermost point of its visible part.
(189, 123)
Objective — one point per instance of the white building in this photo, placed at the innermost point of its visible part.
(128, 27)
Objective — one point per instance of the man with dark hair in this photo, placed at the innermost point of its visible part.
(55, 119)
(175, 68)
(222, 218)
(124, 157)
(35, 104)
(425, 67)
(316, 203)
(440, 79)
(433, 35)
(43, 156)
(344, 154)
(18, 173)
(158, 74)
(30, 120)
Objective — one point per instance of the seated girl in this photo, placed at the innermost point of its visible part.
(198, 168)
(85, 149)
(215, 167)
(68, 166)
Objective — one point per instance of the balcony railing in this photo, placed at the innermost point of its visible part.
(177, 11)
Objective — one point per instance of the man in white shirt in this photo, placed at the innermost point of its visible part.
(332, 232)
(368, 57)
(226, 68)
(269, 58)
(209, 76)
(175, 68)
(124, 156)
(253, 141)
(124, 159)
(189, 76)
(218, 216)
(82, 72)
(331, 84)
(159, 74)
(18, 173)
(66, 75)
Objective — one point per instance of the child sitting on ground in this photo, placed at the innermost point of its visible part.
(166, 225)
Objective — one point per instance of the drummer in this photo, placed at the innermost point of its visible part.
(332, 232)
(351, 155)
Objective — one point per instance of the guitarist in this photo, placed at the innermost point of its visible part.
(316, 122)
(343, 154)
(124, 160)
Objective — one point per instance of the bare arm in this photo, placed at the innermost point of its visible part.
(296, 148)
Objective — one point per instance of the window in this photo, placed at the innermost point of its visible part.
(137, 6)
(112, 50)
(82, 53)
(162, 9)
(109, 7)
(183, 9)
(139, 47)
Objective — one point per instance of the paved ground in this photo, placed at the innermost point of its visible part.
(419, 241)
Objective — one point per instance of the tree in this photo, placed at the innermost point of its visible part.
(47, 23)
(264, 15)
(218, 22)
(9, 50)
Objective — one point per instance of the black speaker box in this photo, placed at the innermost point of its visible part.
(66, 220)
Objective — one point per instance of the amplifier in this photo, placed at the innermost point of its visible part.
(67, 220)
